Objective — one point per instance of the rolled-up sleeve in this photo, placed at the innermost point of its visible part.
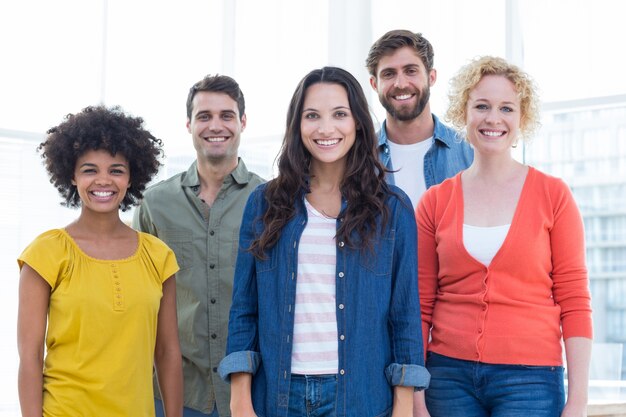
(245, 361)
(407, 376)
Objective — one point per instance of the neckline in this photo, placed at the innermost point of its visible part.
(316, 212)
(500, 226)
(512, 226)
(84, 254)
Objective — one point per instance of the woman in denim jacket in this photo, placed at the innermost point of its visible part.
(326, 322)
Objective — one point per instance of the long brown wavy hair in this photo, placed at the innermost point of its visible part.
(363, 187)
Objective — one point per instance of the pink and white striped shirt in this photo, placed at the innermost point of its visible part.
(315, 346)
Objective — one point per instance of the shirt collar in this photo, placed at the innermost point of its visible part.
(240, 174)
(440, 133)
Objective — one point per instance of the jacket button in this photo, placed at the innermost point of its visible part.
(341, 275)
(341, 306)
(342, 372)
(341, 244)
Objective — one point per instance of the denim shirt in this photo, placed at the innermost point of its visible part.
(448, 155)
(377, 308)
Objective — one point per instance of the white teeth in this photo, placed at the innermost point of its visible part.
(216, 139)
(492, 133)
(403, 97)
(327, 142)
(103, 193)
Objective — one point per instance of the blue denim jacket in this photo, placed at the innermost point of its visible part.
(448, 155)
(378, 315)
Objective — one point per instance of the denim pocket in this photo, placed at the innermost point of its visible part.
(379, 258)
(269, 263)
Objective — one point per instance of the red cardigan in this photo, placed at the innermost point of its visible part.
(513, 311)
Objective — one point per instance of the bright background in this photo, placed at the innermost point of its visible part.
(60, 56)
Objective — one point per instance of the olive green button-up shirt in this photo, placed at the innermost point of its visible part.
(205, 240)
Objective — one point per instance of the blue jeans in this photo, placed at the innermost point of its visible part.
(313, 396)
(187, 412)
(461, 388)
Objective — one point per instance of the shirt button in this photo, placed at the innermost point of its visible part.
(212, 266)
(342, 337)
(480, 330)
(341, 275)
(342, 372)
(212, 232)
(341, 306)
(213, 336)
(213, 300)
(341, 244)
(214, 369)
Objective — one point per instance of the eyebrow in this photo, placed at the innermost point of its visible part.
(484, 99)
(334, 108)
(91, 164)
(201, 112)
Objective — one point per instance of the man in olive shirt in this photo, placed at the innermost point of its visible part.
(198, 214)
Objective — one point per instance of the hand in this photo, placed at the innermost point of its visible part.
(402, 401)
(240, 395)
(247, 412)
(419, 405)
(572, 410)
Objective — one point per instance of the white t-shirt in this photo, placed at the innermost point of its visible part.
(408, 163)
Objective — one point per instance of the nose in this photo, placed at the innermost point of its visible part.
(103, 179)
(493, 116)
(325, 127)
(215, 125)
(400, 81)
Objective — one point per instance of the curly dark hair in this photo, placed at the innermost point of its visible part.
(363, 187)
(96, 128)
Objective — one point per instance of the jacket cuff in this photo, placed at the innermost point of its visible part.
(245, 361)
(407, 376)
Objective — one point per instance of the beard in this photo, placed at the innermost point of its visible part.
(403, 113)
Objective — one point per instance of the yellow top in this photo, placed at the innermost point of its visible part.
(102, 325)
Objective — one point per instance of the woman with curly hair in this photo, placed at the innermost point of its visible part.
(502, 269)
(325, 313)
(97, 300)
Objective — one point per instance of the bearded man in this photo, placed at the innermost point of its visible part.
(424, 151)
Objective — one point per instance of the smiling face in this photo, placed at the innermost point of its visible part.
(215, 127)
(403, 84)
(101, 180)
(493, 115)
(327, 126)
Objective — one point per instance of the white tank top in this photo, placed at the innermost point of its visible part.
(484, 242)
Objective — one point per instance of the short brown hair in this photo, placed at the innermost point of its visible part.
(217, 84)
(396, 39)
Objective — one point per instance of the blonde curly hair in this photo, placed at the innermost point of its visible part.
(469, 75)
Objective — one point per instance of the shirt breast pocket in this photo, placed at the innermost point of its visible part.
(269, 263)
(379, 259)
(181, 242)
